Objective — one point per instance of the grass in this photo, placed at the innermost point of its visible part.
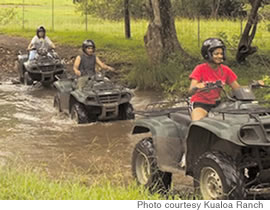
(26, 184)
(69, 28)
(67, 19)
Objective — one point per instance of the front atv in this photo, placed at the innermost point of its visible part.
(227, 153)
(44, 68)
(99, 99)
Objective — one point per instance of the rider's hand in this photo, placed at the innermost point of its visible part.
(261, 82)
(200, 85)
(78, 73)
(111, 68)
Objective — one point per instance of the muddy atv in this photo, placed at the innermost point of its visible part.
(100, 99)
(43, 68)
(227, 153)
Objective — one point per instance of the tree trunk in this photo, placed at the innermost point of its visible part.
(244, 47)
(215, 8)
(127, 19)
(161, 39)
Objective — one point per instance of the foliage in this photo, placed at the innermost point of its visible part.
(230, 44)
(130, 56)
(7, 15)
(24, 184)
(208, 8)
(264, 93)
(111, 9)
(171, 77)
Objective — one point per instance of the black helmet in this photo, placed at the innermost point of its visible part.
(209, 45)
(41, 29)
(88, 43)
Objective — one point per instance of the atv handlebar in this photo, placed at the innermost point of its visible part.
(258, 84)
(211, 85)
(214, 85)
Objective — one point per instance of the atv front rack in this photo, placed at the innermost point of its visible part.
(164, 108)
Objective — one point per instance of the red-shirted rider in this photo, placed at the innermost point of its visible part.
(214, 52)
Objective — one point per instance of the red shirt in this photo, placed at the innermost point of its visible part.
(204, 73)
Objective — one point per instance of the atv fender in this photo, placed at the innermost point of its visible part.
(168, 144)
(210, 134)
(220, 128)
(79, 96)
(63, 85)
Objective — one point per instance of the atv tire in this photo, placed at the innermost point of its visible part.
(126, 112)
(27, 79)
(217, 177)
(56, 103)
(78, 113)
(145, 169)
(20, 72)
(46, 84)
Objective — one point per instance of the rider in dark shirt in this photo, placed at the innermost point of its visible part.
(85, 64)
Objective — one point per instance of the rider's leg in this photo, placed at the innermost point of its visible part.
(32, 54)
(82, 81)
(198, 113)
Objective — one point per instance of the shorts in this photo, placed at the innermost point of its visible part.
(206, 107)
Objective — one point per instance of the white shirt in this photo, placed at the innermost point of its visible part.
(40, 42)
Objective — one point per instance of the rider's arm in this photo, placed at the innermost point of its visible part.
(235, 85)
(32, 43)
(51, 44)
(194, 85)
(76, 65)
(103, 65)
(30, 46)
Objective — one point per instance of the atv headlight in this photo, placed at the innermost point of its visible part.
(249, 134)
(91, 99)
(59, 66)
(34, 68)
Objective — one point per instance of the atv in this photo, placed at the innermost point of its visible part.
(227, 153)
(43, 68)
(100, 99)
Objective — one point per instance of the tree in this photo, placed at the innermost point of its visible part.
(208, 8)
(215, 8)
(111, 9)
(161, 39)
(127, 19)
(244, 47)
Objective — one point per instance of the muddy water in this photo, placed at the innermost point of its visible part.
(32, 132)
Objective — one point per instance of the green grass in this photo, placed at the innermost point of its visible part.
(24, 184)
(67, 19)
(69, 28)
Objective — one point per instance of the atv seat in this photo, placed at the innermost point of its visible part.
(182, 118)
